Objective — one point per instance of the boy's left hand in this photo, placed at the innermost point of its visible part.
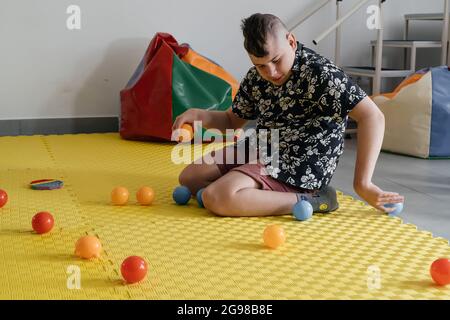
(377, 198)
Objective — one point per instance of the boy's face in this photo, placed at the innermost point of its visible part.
(276, 66)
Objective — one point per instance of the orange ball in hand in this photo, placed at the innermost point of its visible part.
(274, 236)
(186, 134)
(88, 247)
(119, 196)
(145, 196)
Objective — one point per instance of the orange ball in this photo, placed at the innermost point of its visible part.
(187, 134)
(274, 236)
(119, 196)
(238, 134)
(88, 247)
(440, 271)
(145, 196)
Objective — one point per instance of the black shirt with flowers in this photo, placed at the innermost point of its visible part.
(309, 111)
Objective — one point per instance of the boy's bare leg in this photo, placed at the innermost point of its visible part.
(197, 176)
(238, 195)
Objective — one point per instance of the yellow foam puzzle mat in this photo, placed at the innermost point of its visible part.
(353, 253)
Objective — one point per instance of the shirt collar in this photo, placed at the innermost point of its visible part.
(298, 54)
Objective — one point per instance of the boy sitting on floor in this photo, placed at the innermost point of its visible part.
(307, 99)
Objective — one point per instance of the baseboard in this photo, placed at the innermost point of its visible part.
(58, 126)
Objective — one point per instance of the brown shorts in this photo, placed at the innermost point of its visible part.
(249, 165)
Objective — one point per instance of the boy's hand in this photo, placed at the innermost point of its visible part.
(377, 198)
(189, 116)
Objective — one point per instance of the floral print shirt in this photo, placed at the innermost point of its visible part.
(309, 111)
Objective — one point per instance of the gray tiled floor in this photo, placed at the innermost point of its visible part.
(424, 183)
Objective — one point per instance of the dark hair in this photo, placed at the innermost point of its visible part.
(256, 28)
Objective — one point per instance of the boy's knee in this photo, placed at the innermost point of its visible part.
(185, 176)
(218, 202)
(188, 178)
(211, 199)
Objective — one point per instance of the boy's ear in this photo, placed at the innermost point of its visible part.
(291, 39)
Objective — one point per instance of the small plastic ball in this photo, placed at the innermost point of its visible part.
(181, 195)
(3, 198)
(239, 134)
(134, 269)
(440, 271)
(274, 236)
(302, 210)
(186, 133)
(398, 208)
(199, 198)
(88, 247)
(119, 196)
(42, 222)
(145, 196)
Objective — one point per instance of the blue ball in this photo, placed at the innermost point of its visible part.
(199, 197)
(398, 208)
(302, 210)
(181, 195)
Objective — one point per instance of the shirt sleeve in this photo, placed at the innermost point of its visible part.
(244, 105)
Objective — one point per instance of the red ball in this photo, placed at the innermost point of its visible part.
(440, 271)
(42, 222)
(134, 269)
(3, 198)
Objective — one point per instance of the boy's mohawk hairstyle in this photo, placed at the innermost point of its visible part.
(256, 28)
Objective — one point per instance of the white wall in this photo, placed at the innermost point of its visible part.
(48, 71)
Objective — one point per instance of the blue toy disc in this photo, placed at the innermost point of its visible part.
(46, 184)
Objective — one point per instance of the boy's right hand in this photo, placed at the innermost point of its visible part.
(189, 116)
(377, 198)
